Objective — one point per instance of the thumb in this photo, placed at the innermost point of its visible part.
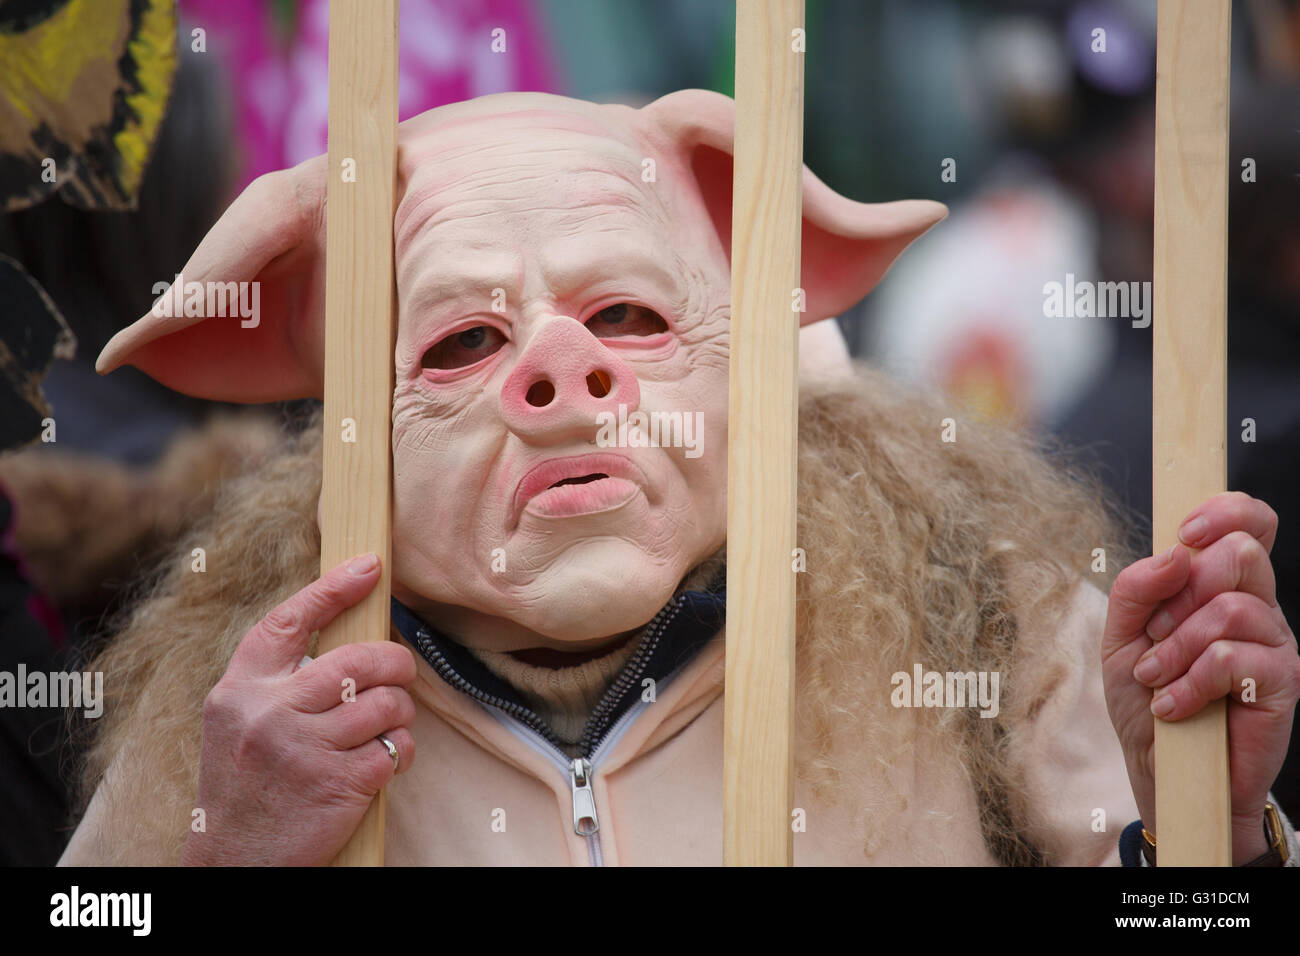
(277, 643)
(1138, 590)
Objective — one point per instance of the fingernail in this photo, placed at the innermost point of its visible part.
(1162, 705)
(1193, 530)
(364, 564)
(1147, 670)
(1164, 559)
(1160, 626)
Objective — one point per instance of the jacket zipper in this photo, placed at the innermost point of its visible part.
(578, 771)
(596, 740)
(447, 672)
(584, 800)
(632, 673)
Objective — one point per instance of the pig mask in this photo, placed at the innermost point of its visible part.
(560, 266)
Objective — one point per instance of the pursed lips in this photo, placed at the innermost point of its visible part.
(578, 469)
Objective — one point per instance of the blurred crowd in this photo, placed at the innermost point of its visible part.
(1041, 145)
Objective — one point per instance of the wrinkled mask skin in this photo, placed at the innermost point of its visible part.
(599, 302)
(561, 265)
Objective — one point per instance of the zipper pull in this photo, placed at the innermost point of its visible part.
(584, 801)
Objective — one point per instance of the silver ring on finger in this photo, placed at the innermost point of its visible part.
(392, 751)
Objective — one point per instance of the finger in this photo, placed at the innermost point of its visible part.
(369, 764)
(1228, 616)
(1138, 590)
(1236, 562)
(1221, 670)
(346, 671)
(379, 709)
(278, 641)
(1226, 512)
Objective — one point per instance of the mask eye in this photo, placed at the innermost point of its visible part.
(625, 319)
(464, 348)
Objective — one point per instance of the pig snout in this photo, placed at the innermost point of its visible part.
(563, 381)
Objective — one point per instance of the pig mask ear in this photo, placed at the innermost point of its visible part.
(272, 235)
(847, 245)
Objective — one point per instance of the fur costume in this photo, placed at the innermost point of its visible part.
(922, 555)
(963, 553)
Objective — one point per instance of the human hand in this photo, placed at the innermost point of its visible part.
(289, 763)
(1194, 627)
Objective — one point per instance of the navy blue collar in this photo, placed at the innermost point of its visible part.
(683, 626)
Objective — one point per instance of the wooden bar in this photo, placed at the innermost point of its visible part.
(758, 778)
(359, 328)
(1189, 380)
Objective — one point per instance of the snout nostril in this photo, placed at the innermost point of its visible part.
(540, 394)
(598, 383)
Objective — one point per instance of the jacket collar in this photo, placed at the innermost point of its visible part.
(674, 636)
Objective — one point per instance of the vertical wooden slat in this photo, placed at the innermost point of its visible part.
(758, 780)
(1189, 356)
(359, 328)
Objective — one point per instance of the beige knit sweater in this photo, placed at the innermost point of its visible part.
(564, 697)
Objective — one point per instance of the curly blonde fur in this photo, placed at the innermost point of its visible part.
(81, 520)
(917, 550)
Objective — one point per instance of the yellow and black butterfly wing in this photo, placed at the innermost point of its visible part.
(83, 89)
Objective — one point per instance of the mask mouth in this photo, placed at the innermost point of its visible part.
(582, 480)
(607, 473)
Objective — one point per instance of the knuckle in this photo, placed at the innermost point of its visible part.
(262, 723)
(337, 785)
(267, 185)
(350, 659)
(1232, 612)
(221, 715)
(406, 710)
(372, 658)
(328, 592)
(1182, 692)
(364, 656)
(1176, 654)
(1180, 607)
(366, 772)
(323, 594)
(281, 621)
(376, 662)
(1246, 548)
(1130, 577)
(1125, 590)
(250, 739)
(1222, 656)
(390, 706)
(398, 660)
(1171, 654)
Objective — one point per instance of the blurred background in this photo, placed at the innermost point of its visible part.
(1040, 143)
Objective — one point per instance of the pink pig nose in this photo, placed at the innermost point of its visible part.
(563, 381)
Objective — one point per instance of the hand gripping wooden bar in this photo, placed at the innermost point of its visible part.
(359, 326)
(758, 779)
(1189, 379)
